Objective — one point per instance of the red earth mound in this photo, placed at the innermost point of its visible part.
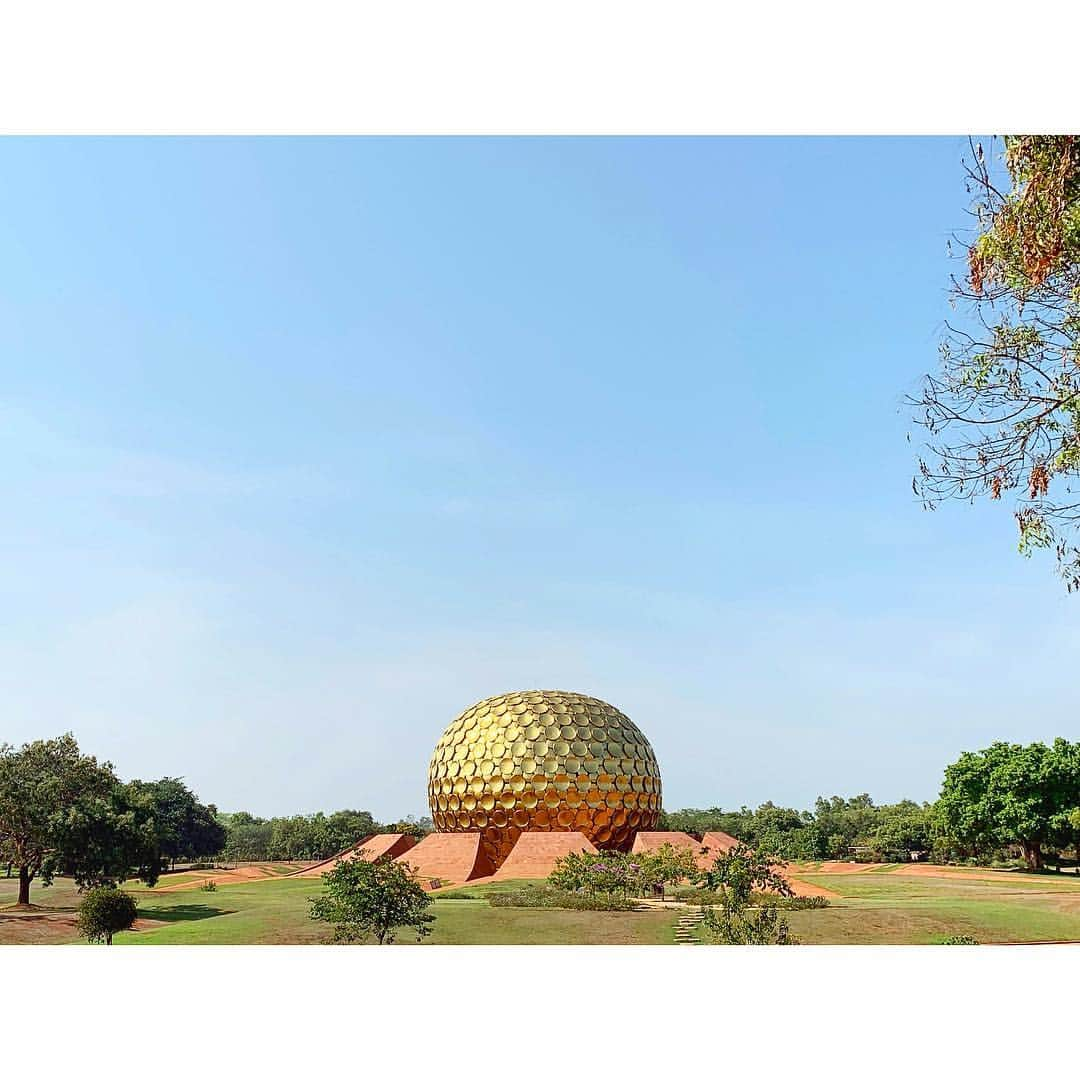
(452, 858)
(535, 853)
(649, 842)
(718, 843)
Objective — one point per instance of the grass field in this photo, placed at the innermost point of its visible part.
(876, 907)
(883, 908)
(275, 912)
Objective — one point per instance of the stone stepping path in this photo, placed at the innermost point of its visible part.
(687, 924)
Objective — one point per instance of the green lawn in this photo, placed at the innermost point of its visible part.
(275, 912)
(888, 909)
(872, 908)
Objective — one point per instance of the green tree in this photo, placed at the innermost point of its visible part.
(247, 838)
(1010, 793)
(668, 866)
(63, 812)
(409, 825)
(372, 899)
(184, 829)
(1003, 413)
(736, 876)
(737, 823)
(741, 871)
(105, 911)
(348, 827)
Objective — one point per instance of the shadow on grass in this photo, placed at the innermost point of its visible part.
(183, 913)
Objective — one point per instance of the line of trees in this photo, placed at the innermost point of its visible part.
(836, 828)
(305, 836)
(1007, 801)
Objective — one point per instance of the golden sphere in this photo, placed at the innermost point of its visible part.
(546, 761)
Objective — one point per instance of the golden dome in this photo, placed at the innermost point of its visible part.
(547, 761)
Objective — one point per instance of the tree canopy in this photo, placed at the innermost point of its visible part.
(1003, 412)
(372, 899)
(62, 811)
(184, 829)
(306, 836)
(1010, 793)
(736, 875)
(836, 827)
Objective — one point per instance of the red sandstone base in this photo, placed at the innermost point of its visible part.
(716, 843)
(535, 853)
(651, 842)
(453, 858)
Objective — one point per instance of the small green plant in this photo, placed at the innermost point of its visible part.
(959, 939)
(209, 886)
(106, 911)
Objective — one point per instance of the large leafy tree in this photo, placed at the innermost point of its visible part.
(1003, 412)
(62, 811)
(183, 827)
(372, 899)
(1013, 794)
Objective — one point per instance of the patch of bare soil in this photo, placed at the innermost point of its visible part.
(33, 926)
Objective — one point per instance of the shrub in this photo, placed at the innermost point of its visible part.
(106, 911)
(959, 939)
(696, 895)
(545, 897)
(209, 886)
(788, 903)
(601, 872)
(731, 925)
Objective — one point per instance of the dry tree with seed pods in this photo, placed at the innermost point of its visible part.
(1002, 414)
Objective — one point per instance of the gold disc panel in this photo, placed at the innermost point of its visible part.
(547, 761)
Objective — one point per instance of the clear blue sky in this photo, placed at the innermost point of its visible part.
(305, 445)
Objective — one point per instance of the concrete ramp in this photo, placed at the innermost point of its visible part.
(379, 846)
(534, 854)
(648, 843)
(453, 858)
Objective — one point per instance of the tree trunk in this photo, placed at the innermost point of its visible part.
(1032, 854)
(108, 937)
(24, 885)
